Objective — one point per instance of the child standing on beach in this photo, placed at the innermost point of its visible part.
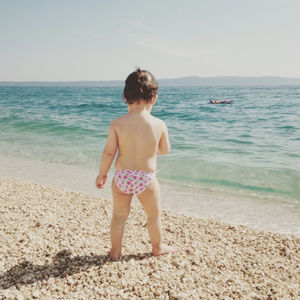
(138, 137)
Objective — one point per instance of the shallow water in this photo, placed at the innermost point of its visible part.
(246, 209)
(248, 147)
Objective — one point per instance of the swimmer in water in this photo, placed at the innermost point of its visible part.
(221, 102)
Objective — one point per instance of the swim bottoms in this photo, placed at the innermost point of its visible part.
(133, 181)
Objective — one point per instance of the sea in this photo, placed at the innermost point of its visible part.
(238, 163)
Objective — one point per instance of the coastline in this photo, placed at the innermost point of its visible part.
(55, 246)
(248, 210)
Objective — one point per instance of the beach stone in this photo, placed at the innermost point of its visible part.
(37, 224)
(222, 263)
(70, 280)
(20, 297)
(155, 275)
(180, 295)
(35, 294)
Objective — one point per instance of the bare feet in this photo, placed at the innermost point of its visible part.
(113, 255)
(163, 250)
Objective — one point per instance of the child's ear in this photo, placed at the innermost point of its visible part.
(124, 99)
(154, 99)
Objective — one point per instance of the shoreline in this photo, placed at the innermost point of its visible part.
(246, 210)
(55, 246)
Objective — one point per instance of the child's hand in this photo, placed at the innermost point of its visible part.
(100, 181)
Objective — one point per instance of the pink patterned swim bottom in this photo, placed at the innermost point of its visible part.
(133, 181)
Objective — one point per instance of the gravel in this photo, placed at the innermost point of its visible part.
(54, 245)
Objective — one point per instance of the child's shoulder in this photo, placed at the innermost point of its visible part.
(158, 120)
(118, 120)
(159, 123)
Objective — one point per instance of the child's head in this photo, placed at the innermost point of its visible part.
(140, 85)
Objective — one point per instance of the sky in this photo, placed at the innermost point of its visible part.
(69, 40)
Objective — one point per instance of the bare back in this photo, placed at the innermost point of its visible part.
(139, 137)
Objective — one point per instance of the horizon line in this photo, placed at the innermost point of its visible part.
(168, 78)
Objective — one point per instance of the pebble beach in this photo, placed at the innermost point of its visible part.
(54, 245)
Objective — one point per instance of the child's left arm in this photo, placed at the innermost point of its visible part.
(108, 155)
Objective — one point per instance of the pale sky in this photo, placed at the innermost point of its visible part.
(61, 40)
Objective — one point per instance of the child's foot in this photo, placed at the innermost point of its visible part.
(113, 255)
(163, 250)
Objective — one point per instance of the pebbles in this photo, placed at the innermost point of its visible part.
(35, 294)
(54, 245)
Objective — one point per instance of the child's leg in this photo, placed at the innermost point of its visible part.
(150, 199)
(121, 209)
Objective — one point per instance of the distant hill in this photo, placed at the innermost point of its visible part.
(182, 81)
(229, 81)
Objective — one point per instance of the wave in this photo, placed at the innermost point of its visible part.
(236, 186)
(238, 141)
(88, 106)
(237, 146)
(51, 127)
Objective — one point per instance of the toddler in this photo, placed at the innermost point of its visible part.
(138, 137)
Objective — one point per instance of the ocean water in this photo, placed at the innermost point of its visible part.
(250, 147)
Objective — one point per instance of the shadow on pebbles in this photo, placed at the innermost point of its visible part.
(54, 245)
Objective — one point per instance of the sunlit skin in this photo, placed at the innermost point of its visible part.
(137, 137)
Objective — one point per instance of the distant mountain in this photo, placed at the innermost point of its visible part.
(182, 81)
(229, 81)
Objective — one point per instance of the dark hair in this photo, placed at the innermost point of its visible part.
(140, 84)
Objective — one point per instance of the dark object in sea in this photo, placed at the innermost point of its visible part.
(220, 101)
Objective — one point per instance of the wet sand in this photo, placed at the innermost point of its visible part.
(254, 211)
(54, 245)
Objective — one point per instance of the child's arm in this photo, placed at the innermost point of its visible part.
(108, 155)
(164, 144)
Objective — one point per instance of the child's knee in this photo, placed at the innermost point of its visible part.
(120, 216)
(153, 215)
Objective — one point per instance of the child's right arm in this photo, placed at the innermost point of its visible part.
(108, 155)
(164, 144)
